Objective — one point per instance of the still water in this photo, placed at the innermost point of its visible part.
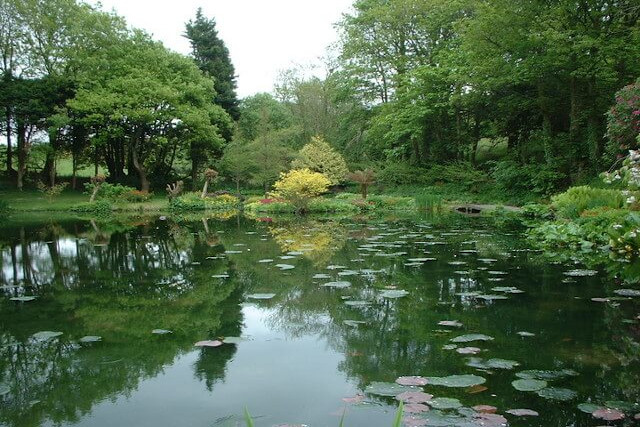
(310, 320)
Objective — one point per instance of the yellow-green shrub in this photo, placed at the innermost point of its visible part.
(299, 186)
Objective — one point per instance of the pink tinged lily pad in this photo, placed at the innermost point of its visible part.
(468, 350)
(490, 420)
(355, 399)
(412, 380)
(214, 343)
(522, 412)
(485, 409)
(415, 408)
(414, 397)
(411, 421)
(608, 414)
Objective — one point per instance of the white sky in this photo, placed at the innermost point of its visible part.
(263, 36)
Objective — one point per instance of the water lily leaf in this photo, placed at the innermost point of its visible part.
(90, 338)
(265, 261)
(261, 296)
(337, 285)
(589, 408)
(208, 343)
(356, 303)
(355, 399)
(161, 331)
(485, 409)
(526, 334)
(445, 403)
(45, 335)
(471, 338)
(420, 259)
(335, 267)
(452, 323)
(387, 389)
(348, 273)
(489, 420)
(414, 397)
(546, 375)
(354, 323)
(475, 362)
(627, 292)
(468, 350)
(608, 414)
(285, 266)
(507, 289)
(555, 393)
(24, 298)
(394, 293)
(476, 389)
(321, 276)
(580, 273)
(529, 384)
(621, 405)
(233, 340)
(416, 408)
(522, 412)
(457, 380)
(491, 297)
(232, 252)
(412, 380)
(449, 347)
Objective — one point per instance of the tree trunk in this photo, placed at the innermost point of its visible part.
(238, 186)
(22, 155)
(10, 170)
(144, 180)
(74, 170)
(205, 188)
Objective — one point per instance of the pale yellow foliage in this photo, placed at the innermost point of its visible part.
(298, 186)
(320, 157)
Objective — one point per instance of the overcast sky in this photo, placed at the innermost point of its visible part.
(263, 36)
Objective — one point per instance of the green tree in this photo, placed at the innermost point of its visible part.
(261, 114)
(320, 157)
(212, 57)
(237, 163)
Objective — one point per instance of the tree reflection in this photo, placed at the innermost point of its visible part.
(116, 282)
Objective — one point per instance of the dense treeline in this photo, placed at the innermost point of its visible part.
(81, 81)
(413, 85)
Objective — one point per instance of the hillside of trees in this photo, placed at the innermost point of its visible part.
(520, 94)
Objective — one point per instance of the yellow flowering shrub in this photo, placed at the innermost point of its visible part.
(299, 186)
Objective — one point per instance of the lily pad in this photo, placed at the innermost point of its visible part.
(354, 323)
(627, 292)
(529, 384)
(261, 296)
(321, 276)
(608, 414)
(589, 408)
(161, 331)
(387, 389)
(452, 323)
(445, 403)
(90, 338)
(507, 289)
(412, 380)
(414, 397)
(233, 340)
(285, 266)
(580, 273)
(220, 276)
(46, 335)
(555, 393)
(475, 362)
(24, 298)
(621, 405)
(491, 297)
(522, 412)
(265, 261)
(208, 343)
(538, 374)
(468, 350)
(394, 293)
(471, 338)
(457, 380)
(337, 285)
(356, 303)
(526, 334)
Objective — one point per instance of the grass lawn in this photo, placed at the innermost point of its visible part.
(34, 201)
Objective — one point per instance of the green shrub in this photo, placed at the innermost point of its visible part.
(137, 196)
(461, 174)
(110, 191)
(401, 174)
(4, 206)
(194, 202)
(520, 179)
(271, 207)
(331, 205)
(347, 196)
(392, 202)
(576, 200)
(100, 208)
(428, 202)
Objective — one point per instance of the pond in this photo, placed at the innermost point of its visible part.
(187, 322)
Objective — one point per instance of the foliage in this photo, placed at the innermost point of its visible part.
(320, 157)
(261, 114)
(299, 186)
(4, 206)
(572, 203)
(396, 173)
(53, 191)
(364, 178)
(112, 192)
(519, 179)
(429, 202)
(628, 175)
(391, 202)
(212, 57)
(624, 235)
(623, 121)
(195, 202)
(100, 208)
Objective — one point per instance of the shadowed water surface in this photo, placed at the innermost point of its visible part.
(315, 316)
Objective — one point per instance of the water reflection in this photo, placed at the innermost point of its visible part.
(190, 276)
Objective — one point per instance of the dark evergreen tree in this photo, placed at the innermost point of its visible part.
(212, 57)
